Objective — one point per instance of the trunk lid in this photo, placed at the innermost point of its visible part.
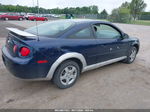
(19, 38)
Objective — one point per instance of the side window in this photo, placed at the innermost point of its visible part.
(82, 34)
(105, 31)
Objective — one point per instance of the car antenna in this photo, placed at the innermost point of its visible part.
(36, 21)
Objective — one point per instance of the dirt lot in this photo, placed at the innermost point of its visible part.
(114, 86)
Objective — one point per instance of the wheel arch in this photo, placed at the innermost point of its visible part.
(78, 61)
(77, 57)
(137, 46)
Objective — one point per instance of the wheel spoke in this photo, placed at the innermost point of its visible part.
(67, 81)
(72, 76)
(63, 77)
(66, 69)
(72, 70)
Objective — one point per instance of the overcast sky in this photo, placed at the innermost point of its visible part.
(102, 4)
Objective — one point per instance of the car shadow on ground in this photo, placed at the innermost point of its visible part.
(38, 85)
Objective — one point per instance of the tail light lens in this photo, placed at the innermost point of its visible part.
(24, 51)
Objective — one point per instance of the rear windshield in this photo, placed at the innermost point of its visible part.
(50, 28)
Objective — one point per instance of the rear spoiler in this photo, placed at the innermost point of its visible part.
(20, 32)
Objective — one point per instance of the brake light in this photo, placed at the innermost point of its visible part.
(15, 48)
(24, 51)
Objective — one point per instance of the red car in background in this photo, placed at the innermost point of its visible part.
(37, 18)
(11, 16)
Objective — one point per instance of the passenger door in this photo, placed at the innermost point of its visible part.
(15, 16)
(11, 16)
(83, 41)
(111, 45)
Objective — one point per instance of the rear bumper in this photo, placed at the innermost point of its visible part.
(24, 68)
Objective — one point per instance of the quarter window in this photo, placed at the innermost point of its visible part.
(51, 29)
(82, 34)
(105, 31)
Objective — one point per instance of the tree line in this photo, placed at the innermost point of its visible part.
(125, 13)
(77, 10)
(129, 11)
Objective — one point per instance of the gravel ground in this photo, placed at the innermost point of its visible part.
(25, 24)
(4, 25)
(116, 86)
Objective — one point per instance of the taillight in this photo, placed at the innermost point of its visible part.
(15, 48)
(24, 51)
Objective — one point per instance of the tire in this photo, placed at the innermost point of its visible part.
(131, 55)
(20, 19)
(6, 19)
(66, 74)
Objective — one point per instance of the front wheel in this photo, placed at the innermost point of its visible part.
(66, 74)
(20, 19)
(131, 55)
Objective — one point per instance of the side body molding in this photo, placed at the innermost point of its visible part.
(97, 65)
(63, 58)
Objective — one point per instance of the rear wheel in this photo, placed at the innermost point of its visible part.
(131, 56)
(6, 19)
(66, 74)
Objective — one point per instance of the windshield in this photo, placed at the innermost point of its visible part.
(50, 28)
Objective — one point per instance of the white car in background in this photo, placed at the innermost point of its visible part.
(28, 15)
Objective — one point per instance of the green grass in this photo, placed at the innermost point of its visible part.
(103, 19)
(141, 22)
(62, 17)
(138, 22)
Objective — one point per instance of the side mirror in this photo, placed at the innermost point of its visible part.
(125, 36)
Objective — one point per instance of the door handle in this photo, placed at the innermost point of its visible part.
(111, 49)
(103, 45)
(118, 47)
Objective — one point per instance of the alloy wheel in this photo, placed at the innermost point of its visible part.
(68, 75)
(133, 54)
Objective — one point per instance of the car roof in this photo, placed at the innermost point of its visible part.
(84, 22)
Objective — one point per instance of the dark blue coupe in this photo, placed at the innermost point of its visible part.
(61, 50)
